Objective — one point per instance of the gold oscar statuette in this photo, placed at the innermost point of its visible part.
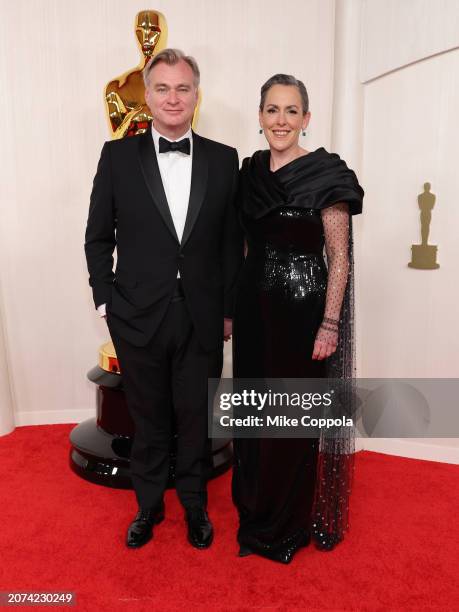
(107, 358)
(424, 255)
(127, 111)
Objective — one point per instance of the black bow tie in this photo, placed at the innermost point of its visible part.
(182, 145)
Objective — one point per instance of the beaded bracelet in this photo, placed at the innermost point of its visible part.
(327, 328)
(332, 321)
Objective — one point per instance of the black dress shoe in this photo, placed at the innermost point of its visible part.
(141, 529)
(200, 530)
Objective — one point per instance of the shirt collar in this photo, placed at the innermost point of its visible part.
(156, 136)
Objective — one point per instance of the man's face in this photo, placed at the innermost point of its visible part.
(172, 97)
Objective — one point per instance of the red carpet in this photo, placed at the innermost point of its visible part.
(61, 533)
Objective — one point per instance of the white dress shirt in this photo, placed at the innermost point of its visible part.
(175, 170)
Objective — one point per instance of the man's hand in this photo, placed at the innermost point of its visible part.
(227, 329)
(102, 310)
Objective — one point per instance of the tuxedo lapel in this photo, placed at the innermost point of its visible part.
(152, 176)
(199, 174)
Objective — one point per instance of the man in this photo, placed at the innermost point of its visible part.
(165, 200)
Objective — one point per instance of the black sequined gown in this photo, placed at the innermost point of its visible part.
(280, 304)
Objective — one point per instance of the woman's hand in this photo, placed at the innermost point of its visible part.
(325, 343)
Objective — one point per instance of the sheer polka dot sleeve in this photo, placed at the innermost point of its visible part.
(336, 230)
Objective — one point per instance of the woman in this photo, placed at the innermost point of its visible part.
(293, 319)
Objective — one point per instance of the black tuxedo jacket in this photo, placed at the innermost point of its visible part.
(129, 211)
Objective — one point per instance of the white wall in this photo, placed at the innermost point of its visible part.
(410, 137)
(55, 59)
(407, 323)
(397, 33)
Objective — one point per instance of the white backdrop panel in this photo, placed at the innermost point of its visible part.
(409, 317)
(399, 32)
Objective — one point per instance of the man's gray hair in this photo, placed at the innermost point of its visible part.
(285, 79)
(171, 57)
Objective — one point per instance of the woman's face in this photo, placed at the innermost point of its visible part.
(282, 117)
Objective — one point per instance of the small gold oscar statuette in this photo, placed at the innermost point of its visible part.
(127, 111)
(424, 255)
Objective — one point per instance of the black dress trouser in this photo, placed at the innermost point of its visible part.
(165, 383)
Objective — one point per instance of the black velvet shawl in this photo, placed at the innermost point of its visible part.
(316, 180)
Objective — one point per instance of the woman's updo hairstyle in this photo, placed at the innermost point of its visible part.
(285, 79)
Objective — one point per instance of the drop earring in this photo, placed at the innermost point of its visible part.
(303, 133)
(260, 131)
